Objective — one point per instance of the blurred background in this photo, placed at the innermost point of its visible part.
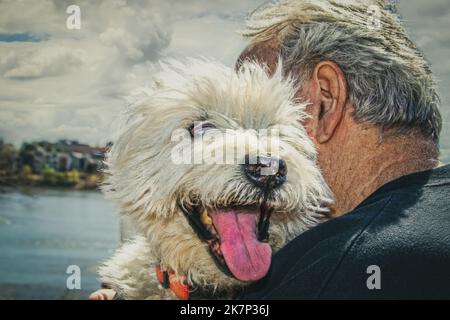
(60, 91)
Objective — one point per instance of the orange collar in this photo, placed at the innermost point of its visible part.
(168, 281)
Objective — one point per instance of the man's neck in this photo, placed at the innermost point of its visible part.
(354, 176)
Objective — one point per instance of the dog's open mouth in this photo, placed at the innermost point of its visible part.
(237, 237)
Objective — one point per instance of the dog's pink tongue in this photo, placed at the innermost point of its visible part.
(246, 257)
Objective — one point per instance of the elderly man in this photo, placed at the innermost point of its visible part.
(375, 121)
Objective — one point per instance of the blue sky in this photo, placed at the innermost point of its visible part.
(22, 37)
(60, 83)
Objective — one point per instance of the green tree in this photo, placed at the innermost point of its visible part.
(26, 171)
(73, 177)
(8, 155)
(61, 179)
(48, 175)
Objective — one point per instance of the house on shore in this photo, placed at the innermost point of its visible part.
(62, 156)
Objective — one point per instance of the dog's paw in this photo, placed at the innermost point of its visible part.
(103, 294)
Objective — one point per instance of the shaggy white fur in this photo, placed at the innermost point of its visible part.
(146, 185)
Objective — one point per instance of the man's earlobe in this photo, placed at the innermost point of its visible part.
(331, 98)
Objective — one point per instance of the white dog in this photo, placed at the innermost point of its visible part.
(204, 224)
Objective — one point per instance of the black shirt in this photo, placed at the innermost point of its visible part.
(397, 242)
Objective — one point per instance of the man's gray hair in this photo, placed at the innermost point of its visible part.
(389, 82)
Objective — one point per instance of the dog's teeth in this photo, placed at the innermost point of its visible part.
(204, 217)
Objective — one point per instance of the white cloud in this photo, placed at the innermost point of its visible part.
(73, 84)
(24, 16)
(40, 61)
(207, 35)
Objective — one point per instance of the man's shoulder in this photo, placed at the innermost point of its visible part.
(304, 266)
(411, 214)
(414, 219)
(401, 230)
(407, 241)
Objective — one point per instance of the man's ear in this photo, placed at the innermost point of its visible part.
(329, 99)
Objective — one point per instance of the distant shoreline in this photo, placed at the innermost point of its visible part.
(72, 180)
(29, 189)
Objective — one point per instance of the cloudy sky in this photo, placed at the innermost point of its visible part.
(60, 83)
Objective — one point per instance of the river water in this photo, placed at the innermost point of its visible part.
(42, 232)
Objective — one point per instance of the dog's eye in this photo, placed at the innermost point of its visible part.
(199, 127)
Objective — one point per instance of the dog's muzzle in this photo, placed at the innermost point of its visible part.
(265, 172)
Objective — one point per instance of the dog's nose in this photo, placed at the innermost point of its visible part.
(265, 172)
